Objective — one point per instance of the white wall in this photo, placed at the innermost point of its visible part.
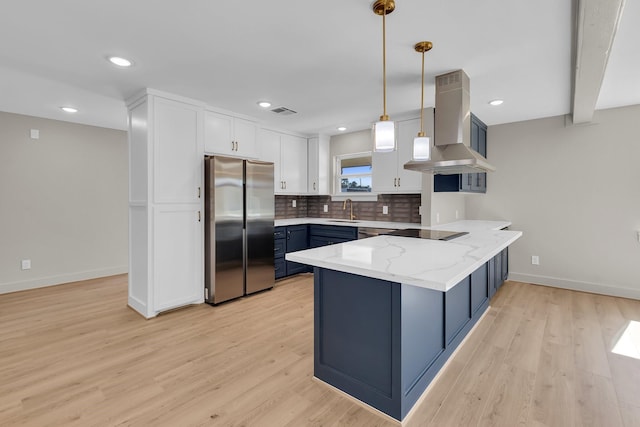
(574, 192)
(63, 202)
(447, 207)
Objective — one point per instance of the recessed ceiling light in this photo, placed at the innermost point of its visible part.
(342, 128)
(69, 109)
(120, 62)
(264, 104)
(496, 102)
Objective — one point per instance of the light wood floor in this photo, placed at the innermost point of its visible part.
(76, 355)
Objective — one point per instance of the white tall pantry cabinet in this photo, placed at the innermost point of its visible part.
(165, 202)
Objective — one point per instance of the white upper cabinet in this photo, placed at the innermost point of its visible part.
(319, 169)
(269, 142)
(389, 174)
(177, 153)
(289, 155)
(230, 136)
(293, 171)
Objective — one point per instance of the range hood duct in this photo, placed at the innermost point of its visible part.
(452, 153)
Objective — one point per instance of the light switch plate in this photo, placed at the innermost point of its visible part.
(26, 264)
(293, 203)
(326, 208)
(385, 210)
(35, 134)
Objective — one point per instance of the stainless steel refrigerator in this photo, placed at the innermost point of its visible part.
(239, 215)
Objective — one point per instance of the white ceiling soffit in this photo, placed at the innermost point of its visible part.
(597, 23)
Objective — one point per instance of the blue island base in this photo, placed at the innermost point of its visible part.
(383, 342)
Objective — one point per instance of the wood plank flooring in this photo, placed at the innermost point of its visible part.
(76, 355)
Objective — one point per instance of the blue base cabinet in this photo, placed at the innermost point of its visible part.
(279, 249)
(498, 271)
(289, 239)
(323, 235)
(383, 342)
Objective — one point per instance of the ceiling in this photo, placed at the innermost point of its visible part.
(323, 60)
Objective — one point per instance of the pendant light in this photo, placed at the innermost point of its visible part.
(384, 130)
(421, 143)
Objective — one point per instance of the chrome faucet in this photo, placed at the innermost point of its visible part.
(344, 206)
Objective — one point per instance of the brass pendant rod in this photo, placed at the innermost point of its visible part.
(422, 99)
(384, 63)
(422, 47)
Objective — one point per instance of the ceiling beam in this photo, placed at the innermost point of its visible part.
(597, 22)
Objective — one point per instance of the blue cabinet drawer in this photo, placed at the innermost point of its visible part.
(317, 241)
(334, 231)
(279, 247)
(280, 268)
(279, 233)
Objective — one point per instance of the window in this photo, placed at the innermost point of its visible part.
(353, 173)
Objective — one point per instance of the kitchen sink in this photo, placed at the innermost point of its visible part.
(343, 220)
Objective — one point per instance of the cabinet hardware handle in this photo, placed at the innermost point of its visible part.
(314, 185)
(285, 185)
(232, 145)
(199, 217)
(199, 192)
(395, 181)
(288, 235)
(236, 145)
(398, 182)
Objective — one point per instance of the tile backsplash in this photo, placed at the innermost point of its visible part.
(402, 208)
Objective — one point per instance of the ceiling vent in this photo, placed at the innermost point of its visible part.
(284, 111)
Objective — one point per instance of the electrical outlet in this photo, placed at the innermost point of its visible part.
(326, 208)
(293, 204)
(535, 260)
(385, 210)
(35, 134)
(26, 264)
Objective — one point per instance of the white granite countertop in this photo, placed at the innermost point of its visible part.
(431, 264)
(465, 225)
(346, 222)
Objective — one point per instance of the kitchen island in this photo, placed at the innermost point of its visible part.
(389, 311)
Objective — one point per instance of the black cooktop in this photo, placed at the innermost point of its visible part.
(428, 234)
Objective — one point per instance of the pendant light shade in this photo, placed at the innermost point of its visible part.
(422, 143)
(384, 130)
(384, 136)
(421, 148)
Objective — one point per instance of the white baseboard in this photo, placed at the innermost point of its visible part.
(595, 288)
(61, 279)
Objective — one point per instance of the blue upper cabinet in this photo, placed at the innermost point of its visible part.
(467, 182)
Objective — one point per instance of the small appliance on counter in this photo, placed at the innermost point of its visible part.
(239, 225)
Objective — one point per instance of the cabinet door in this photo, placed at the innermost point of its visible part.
(269, 144)
(385, 172)
(408, 181)
(218, 134)
(296, 241)
(482, 149)
(245, 138)
(177, 261)
(319, 174)
(293, 166)
(177, 169)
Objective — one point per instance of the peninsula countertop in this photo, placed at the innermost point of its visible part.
(432, 264)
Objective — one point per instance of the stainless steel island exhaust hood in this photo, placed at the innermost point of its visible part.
(452, 153)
